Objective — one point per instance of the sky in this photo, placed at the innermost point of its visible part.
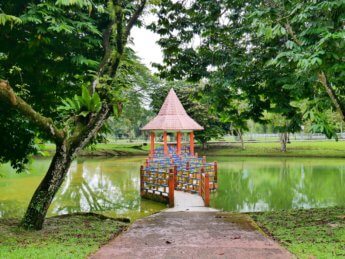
(146, 47)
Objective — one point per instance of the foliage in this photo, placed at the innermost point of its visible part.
(57, 49)
(282, 124)
(4, 18)
(21, 144)
(45, 61)
(309, 233)
(139, 82)
(312, 45)
(50, 56)
(134, 117)
(228, 54)
(267, 53)
(82, 105)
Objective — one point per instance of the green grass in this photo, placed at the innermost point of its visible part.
(314, 233)
(74, 236)
(127, 149)
(326, 148)
(294, 149)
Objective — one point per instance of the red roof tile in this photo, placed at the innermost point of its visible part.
(172, 116)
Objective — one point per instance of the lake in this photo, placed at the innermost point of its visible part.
(111, 186)
(261, 184)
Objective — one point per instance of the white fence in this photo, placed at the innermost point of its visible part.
(275, 136)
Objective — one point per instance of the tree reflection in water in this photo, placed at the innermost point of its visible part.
(259, 184)
(101, 186)
(111, 186)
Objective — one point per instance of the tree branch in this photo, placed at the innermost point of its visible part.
(123, 33)
(107, 48)
(336, 102)
(134, 18)
(120, 43)
(85, 133)
(292, 34)
(321, 77)
(44, 123)
(110, 64)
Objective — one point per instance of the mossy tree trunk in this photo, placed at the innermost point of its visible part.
(45, 192)
(58, 169)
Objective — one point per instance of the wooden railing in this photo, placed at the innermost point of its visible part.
(205, 188)
(161, 176)
(158, 185)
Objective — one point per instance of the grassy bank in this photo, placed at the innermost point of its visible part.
(314, 233)
(129, 149)
(272, 149)
(74, 236)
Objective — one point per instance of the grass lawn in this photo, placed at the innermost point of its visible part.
(130, 149)
(314, 233)
(294, 149)
(74, 236)
(326, 148)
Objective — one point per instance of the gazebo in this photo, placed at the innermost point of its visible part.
(172, 118)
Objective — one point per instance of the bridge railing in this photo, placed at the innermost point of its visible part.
(205, 189)
(161, 176)
(157, 185)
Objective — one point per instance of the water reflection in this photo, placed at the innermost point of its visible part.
(259, 184)
(109, 186)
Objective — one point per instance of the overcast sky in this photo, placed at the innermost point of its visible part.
(146, 47)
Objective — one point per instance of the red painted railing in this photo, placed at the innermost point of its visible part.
(205, 188)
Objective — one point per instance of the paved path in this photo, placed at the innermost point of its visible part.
(193, 234)
(185, 201)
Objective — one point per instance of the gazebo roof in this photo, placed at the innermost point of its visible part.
(172, 116)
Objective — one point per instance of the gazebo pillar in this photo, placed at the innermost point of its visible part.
(178, 143)
(191, 142)
(165, 143)
(152, 146)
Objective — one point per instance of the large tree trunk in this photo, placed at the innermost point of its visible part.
(44, 194)
(283, 141)
(65, 153)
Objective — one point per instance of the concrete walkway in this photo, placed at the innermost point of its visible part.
(185, 201)
(193, 234)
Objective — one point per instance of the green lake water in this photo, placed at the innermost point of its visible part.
(261, 184)
(111, 186)
(107, 186)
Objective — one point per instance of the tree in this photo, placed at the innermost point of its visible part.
(193, 99)
(285, 124)
(272, 52)
(313, 40)
(139, 81)
(228, 53)
(236, 114)
(56, 36)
